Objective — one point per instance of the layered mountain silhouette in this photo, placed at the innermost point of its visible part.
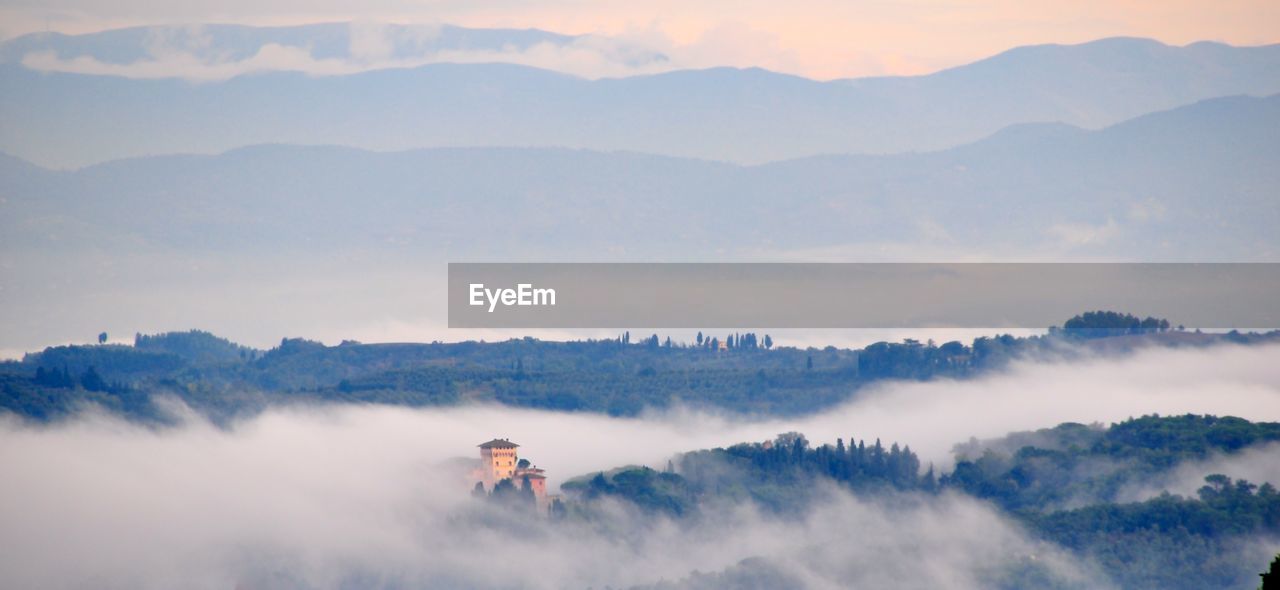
(62, 119)
(1191, 183)
(330, 171)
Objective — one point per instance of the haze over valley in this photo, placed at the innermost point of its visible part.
(225, 352)
(310, 225)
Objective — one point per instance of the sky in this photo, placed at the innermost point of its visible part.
(822, 39)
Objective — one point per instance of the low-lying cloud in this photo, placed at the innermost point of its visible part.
(353, 497)
(932, 416)
(588, 57)
(333, 495)
(188, 53)
(1256, 465)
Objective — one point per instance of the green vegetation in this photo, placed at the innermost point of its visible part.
(744, 373)
(1069, 485)
(777, 475)
(509, 496)
(1210, 540)
(1074, 464)
(1101, 324)
(195, 346)
(1207, 541)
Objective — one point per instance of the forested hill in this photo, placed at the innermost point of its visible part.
(737, 372)
(1221, 536)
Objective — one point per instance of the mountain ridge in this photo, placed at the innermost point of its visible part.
(12, 49)
(1051, 173)
(749, 116)
(311, 227)
(1015, 133)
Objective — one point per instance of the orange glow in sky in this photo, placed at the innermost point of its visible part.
(815, 38)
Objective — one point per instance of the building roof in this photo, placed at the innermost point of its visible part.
(499, 443)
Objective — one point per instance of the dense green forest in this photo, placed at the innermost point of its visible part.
(777, 475)
(1044, 479)
(743, 373)
(1073, 464)
(1072, 485)
(1065, 484)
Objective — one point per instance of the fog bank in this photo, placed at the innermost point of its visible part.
(334, 495)
(350, 498)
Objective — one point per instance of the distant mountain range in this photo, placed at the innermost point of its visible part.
(1194, 183)
(62, 119)
(332, 201)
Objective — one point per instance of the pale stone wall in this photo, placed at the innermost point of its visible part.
(498, 464)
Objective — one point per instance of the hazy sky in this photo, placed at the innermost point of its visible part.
(816, 38)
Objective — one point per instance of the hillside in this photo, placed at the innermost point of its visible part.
(618, 377)
(1216, 538)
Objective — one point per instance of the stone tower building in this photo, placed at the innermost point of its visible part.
(497, 461)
